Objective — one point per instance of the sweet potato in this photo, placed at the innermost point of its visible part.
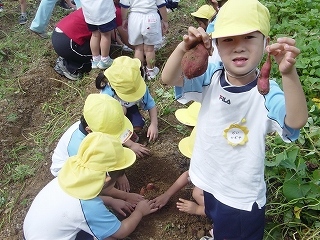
(195, 61)
(263, 79)
(150, 186)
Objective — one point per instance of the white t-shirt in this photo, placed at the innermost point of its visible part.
(98, 12)
(67, 146)
(56, 215)
(229, 151)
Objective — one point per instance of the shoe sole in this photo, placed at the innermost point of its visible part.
(41, 35)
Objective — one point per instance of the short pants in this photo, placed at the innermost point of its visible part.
(104, 27)
(144, 28)
(234, 224)
(135, 117)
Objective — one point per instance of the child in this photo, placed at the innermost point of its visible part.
(101, 20)
(124, 81)
(144, 29)
(101, 113)
(72, 45)
(1, 6)
(185, 147)
(70, 204)
(234, 119)
(23, 16)
(203, 15)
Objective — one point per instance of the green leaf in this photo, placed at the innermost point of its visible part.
(295, 188)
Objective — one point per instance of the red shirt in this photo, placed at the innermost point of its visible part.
(75, 27)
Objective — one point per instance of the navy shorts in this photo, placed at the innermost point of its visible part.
(104, 27)
(234, 224)
(135, 117)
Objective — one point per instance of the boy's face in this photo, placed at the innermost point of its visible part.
(240, 54)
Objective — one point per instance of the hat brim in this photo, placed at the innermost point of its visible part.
(237, 32)
(80, 182)
(128, 159)
(126, 132)
(184, 117)
(84, 183)
(184, 147)
(137, 95)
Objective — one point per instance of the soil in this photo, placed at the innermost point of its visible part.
(40, 87)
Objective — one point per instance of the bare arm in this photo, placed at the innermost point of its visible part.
(129, 224)
(152, 133)
(164, 15)
(172, 73)
(285, 53)
(181, 182)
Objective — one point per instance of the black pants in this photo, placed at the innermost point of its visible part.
(77, 58)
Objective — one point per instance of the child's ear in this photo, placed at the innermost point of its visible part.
(108, 179)
(266, 43)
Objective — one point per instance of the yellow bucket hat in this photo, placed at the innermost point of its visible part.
(125, 78)
(105, 114)
(238, 17)
(189, 115)
(186, 144)
(83, 175)
(205, 11)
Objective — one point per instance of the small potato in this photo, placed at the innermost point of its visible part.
(150, 186)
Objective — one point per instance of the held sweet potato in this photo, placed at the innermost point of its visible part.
(263, 84)
(195, 61)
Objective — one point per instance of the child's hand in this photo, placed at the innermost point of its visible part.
(146, 207)
(123, 183)
(139, 149)
(122, 207)
(152, 133)
(161, 200)
(134, 198)
(195, 36)
(285, 53)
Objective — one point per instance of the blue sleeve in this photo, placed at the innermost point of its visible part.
(275, 103)
(99, 219)
(107, 90)
(196, 84)
(74, 142)
(148, 101)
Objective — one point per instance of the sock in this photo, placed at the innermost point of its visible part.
(105, 59)
(96, 58)
(24, 14)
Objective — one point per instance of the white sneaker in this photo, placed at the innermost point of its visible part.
(105, 64)
(152, 73)
(126, 48)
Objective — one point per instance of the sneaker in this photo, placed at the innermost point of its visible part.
(134, 137)
(67, 74)
(162, 44)
(152, 73)
(57, 68)
(23, 19)
(94, 64)
(207, 238)
(104, 64)
(43, 35)
(126, 48)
